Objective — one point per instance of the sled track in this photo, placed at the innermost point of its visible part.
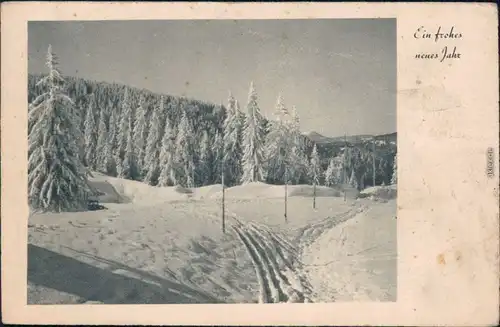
(272, 258)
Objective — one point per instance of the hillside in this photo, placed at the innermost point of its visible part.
(108, 97)
(107, 103)
(362, 148)
(352, 139)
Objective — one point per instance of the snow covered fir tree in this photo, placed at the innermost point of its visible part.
(233, 132)
(254, 133)
(394, 178)
(57, 178)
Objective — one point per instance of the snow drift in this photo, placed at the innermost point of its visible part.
(380, 192)
(308, 191)
(208, 191)
(266, 191)
(118, 190)
(356, 260)
(106, 193)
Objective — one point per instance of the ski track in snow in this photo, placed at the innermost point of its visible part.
(274, 287)
(277, 262)
(264, 287)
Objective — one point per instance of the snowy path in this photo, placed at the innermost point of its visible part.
(272, 257)
(308, 234)
(355, 260)
(279, 264)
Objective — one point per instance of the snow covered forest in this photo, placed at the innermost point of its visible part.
(77, 126)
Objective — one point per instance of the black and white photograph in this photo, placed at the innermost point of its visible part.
(212, 161)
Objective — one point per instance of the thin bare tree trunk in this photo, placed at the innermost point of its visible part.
(286, 193)
(314, 195)
(223, 189)
(373, 159)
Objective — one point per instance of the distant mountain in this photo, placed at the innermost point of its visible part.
(361, 149)
(317, 137)
(352, 139)
(391, 137)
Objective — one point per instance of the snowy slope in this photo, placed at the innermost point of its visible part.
(165, 245)
(258, 190)
(136, 192)
(388, 192)
(356, 260)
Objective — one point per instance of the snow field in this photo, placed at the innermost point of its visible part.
(166, 246)
(380, 192)
(357, 260)
(135, 192)
(271, 264)
(258, 190)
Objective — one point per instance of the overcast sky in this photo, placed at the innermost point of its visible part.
(340, 74)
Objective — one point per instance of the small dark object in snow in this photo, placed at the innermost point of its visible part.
(94, 205)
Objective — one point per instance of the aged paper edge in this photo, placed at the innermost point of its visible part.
(446, 203)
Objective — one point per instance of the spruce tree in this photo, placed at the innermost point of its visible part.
(57, 179)
(298, 160)
(140, 132)
(282, 111)
(129, 165)
(90, 136)
(152, 156)
(353, 181)
(330, 176)
(79, 120)
(346, 165)
(295, 119)
(205, 166)
(110, 163)
(362, 182)
(102, 140)
(241, 116)
(315, 171)
(339, 169)
(167, 156)
(394, 178)
(253, 141)
(232, 143)
(123, 126)
(185, 150)
(278, 144)
(297, 166)
(315, 166)
(122, 132)
(381, 169)
(218, 156)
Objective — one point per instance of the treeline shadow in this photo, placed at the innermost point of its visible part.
(63, 273)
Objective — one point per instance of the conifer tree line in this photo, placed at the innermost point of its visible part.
(77, 126)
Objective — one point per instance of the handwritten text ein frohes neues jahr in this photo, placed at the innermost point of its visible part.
(447, 52)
